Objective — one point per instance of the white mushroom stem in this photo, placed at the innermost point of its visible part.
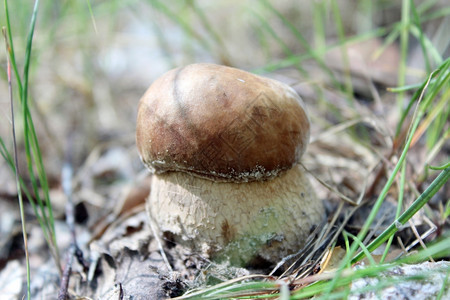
(236, 221)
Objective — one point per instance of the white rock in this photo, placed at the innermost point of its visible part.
(428, 287)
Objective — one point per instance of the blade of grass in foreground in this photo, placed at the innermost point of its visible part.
(442, 70)
(32, 149)
(401, 189)
(427, 94)
(35, 166)
(435, 186)
(16, 165)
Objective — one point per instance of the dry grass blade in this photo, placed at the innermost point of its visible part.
(333, 189)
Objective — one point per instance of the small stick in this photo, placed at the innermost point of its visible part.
(160, 246)
(74, 250)
(62, 295)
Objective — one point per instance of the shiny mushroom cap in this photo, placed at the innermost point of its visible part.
(221, 123)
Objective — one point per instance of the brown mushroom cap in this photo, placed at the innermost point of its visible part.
(221, 123)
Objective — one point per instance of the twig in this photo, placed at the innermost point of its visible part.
(62, 295)
(160, 246)
(419, 238)
(74, 250)
(329, 187)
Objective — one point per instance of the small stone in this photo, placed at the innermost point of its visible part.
(430, 286)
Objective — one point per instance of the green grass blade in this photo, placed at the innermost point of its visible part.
(35, 166)
(389, 40)
(411, 211)
(293, 60)
(319, 11)
(443, 70)
(187, 28)
(444, 286)
(365, 249)
(222, 47)
(269, 30)
(11, 49)
(303, 42)
(421, 36)
(420, 112)
(29, 45)
(377, 205)
(91, 13)
(34, 157)
(447, 165)
(16, 167)
(10, 161)
(344, 53)
(404, 39)
(437, 119)
(401, 190)
(440, 13)
(427, 44)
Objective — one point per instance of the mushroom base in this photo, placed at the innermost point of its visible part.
(236, 222)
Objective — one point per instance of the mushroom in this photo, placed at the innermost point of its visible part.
(224, 147)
